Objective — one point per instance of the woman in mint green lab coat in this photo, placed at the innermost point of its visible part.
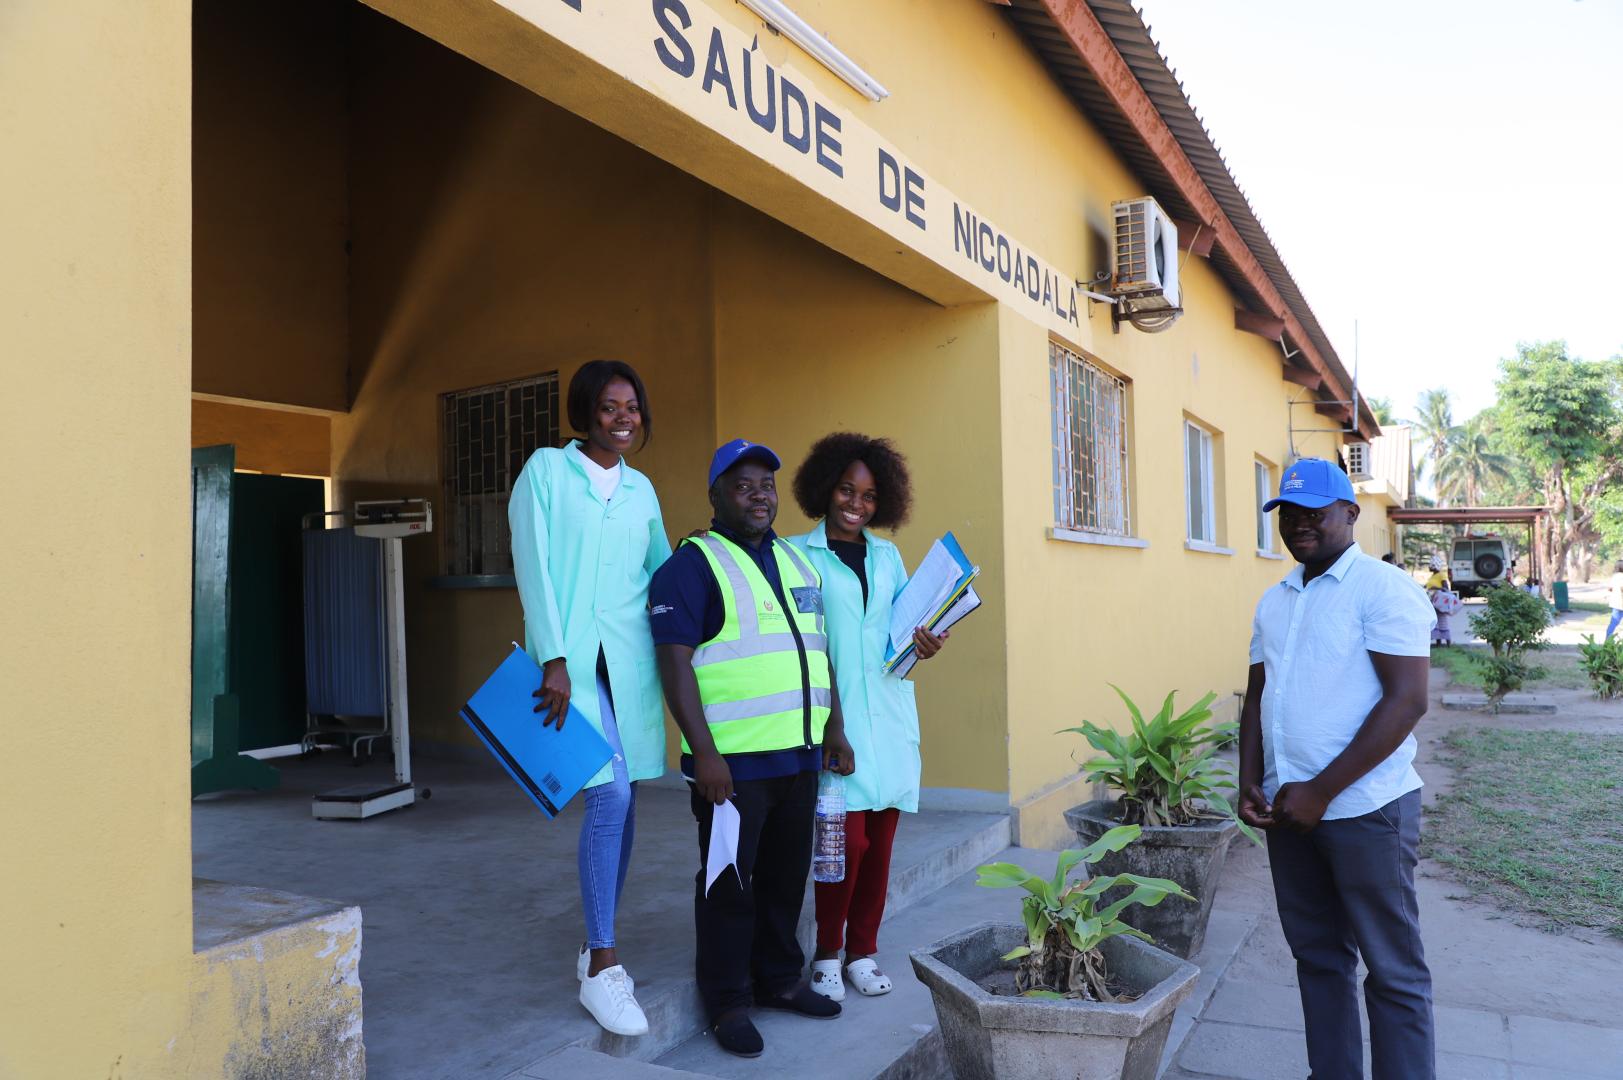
(587, 537)
(853, 483)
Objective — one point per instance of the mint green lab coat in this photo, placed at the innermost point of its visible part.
(881, 714)
(583, 569)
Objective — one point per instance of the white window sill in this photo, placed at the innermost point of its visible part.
(1209, 549)
(1080, 536)
(1270, 555)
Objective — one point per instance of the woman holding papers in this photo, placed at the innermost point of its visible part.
(587, 537)
(854, 484)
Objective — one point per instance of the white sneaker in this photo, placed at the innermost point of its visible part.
(609, 998)
(826, 979)
(583, 964)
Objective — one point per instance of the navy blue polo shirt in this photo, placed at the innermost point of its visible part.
(686, 608)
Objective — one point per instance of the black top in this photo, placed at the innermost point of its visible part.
(854, 553)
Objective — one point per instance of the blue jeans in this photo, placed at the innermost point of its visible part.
(606, 832)
(1611, 627)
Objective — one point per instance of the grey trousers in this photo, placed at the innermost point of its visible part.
(1346, 889)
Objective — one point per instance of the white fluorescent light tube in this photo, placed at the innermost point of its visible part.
(821, 49)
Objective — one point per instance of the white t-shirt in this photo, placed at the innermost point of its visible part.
(604, 481)
(1614, 595)
(1314, 644)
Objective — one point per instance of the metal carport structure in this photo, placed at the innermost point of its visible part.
(1530, 516)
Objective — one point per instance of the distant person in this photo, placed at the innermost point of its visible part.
(737, 618)
(1389, 558)
(1338, 679)
(1614, 599)
(1445, 602)
(851, 484)
(587, 537)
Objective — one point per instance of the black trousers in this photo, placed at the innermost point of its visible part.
(746, 932)
(1346, 890)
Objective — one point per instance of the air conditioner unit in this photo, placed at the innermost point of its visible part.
(1145, 276)
(1358, 461)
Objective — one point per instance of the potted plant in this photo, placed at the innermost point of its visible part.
(1171, 783)
(1073, 984)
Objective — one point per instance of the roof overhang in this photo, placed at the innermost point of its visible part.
(1101, 53)
(1473, 515)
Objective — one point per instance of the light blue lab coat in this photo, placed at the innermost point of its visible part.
(583, 568)
(881, 714)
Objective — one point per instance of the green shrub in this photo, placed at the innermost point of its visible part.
(1513, 624)
(1602, 661)
(1065, 924)
(1165, 768)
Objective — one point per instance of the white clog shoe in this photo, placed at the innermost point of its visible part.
(826, 979)
(867, 978)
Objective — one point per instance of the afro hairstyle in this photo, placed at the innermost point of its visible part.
(831, 455)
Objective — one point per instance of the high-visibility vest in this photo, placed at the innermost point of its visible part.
(756, 680)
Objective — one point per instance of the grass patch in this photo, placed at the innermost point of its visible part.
(1590, 605)
(1532, 823)
(1560, 664)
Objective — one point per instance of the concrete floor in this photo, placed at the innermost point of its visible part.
(470, 904)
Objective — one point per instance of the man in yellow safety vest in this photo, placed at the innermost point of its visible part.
(737, 619)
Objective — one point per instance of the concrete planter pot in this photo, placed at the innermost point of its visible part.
(1191, 855)
(993, 1037)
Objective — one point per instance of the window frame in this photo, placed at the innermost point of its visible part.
(1263, 480)
(1090, 449)
(476, 540)
(1208, 485)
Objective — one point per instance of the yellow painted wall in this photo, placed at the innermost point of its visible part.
(267, 440)
(269, 191)
(95, 208)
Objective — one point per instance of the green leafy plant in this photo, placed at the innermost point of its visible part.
(1165, 767)
(1513, 624)
(1602, 661)
(1065, 924)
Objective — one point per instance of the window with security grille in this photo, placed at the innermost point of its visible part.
(486, 435)
(1089, 416)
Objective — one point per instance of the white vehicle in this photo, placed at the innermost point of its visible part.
(1477, 562)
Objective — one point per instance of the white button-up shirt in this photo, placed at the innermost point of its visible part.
(1314, 643)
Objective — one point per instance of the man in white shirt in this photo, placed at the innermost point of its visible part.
(1339, 662)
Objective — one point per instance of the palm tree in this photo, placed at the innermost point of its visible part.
(1469, 464)
(1434, 425)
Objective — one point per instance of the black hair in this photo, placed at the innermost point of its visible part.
(587, 386)
(831, 455)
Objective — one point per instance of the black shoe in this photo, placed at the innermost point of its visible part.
(736, 1035)
(803, 1000)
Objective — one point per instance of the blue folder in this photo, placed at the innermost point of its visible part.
(547, 764)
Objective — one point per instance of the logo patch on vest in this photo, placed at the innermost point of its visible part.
(769, 606)
(808, 600)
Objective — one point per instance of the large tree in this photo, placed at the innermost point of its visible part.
(1434, 425)
(1563, 417)
(1470, 464)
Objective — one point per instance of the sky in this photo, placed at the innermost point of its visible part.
(1447, 176)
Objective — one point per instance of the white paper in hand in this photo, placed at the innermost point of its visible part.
(723, 844)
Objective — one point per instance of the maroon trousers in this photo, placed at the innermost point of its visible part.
(849, 911)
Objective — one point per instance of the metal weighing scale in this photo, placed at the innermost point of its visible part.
(389, 520)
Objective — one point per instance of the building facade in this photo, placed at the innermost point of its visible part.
(370, 244)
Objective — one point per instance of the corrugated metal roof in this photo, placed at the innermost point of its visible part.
(1132, 40)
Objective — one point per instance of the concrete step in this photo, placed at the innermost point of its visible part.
(895, 1037)
(578, 1063)
(932, 850)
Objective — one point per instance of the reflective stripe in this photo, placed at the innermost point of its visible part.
(743, 596)
(722, 651)
(750, 708)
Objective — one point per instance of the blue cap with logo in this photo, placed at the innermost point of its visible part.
(1313, 483)
(730, 454)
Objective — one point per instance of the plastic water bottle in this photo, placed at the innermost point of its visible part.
(828, 847)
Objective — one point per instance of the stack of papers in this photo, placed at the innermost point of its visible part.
(937, 596)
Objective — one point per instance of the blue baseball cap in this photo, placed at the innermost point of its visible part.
(1313, 482)
(730, 454)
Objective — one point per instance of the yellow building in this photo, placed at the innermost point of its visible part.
(326, 233)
